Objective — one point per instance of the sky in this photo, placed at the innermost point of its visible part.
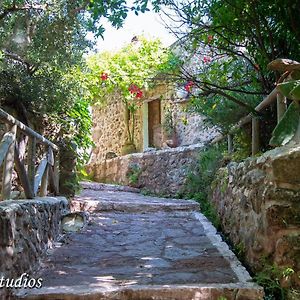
(148, 24)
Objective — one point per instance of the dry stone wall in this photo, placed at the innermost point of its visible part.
(109, 131)
(190, 127)
(161, 172)
(27, 229)
(258, 202)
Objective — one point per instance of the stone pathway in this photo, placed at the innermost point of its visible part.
(139, 247)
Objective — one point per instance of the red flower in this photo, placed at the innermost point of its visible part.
(209, 38)
(206, 59)
(256, 67)
(104, 76)
(135, 90)
(139, 94)
(188, 86)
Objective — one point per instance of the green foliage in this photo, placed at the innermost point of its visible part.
(130, 71)
(137, 63)
(42, 76)
(287, 127)
(168, 124)
(290, 89)
(270, 278)
(199, 181)
(242, 145)
(239, 250)
(133, 174)
(227, 46)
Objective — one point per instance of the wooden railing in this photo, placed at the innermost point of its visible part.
(286, 67)
(270, 99)
(33, 180)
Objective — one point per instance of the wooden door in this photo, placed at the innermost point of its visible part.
(154, 120)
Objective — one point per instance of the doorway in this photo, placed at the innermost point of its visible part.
(154, 122)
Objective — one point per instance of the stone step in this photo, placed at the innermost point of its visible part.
(170, 292)
(98, 186)
(111, 200)
(143, 255)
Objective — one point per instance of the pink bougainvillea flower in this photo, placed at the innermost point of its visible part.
(206, 59)
(209, 38)
(139, 94)
(188, 86)
(135, 90)
(104, 76)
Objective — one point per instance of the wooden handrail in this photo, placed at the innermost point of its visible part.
(9, 119)
(271, 98)
(31, 178)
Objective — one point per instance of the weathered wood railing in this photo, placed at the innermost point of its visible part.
(281, 65)
(32, 179)
(270, 99)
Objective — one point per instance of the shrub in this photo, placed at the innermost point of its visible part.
(199, 180)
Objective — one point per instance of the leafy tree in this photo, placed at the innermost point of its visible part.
(234, 40)
(42, 43)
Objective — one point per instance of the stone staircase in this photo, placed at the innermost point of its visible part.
(141, 247)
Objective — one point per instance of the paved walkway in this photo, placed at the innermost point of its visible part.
(139, 247)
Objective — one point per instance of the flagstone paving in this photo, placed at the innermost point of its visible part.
(141, 247)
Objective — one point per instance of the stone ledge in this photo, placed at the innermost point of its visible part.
(257, 201)
(93, 201)
(168, 292)
(27, 229)
(97, 186)
(162, 172)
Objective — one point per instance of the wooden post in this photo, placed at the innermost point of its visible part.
(31, 159)
(9, 166)
(44, 184)
(42, 168)
(255, 135)
(230, 143)
(281, 106)
(56, 172)
(22, 174)
(6, 141)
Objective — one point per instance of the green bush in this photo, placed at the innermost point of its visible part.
(270, 278)
(199, 180)
(133, 174)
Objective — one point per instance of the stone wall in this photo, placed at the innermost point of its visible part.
(258, 202)
(161, 171)
(109, 131)
(27, 229)
(190, 127)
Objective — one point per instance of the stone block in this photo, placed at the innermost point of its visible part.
(285, 168)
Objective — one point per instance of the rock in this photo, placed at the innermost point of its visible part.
(110, 155)
(74, 222)
(162, 171)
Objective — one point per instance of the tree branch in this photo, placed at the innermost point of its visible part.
(16, 8)
(30, 67)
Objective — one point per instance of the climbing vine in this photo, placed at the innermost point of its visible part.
(130, 71)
